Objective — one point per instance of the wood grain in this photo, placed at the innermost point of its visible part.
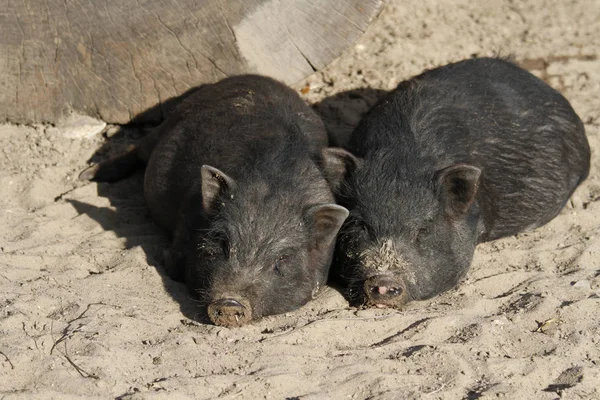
(114, 59)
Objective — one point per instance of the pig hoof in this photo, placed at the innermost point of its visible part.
(384, 291)
(229, 312)
(575, 202)
(89, 173)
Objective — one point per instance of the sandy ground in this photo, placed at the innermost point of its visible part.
(86, 310)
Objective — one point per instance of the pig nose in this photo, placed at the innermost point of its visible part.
(384, 291)
(230, 312)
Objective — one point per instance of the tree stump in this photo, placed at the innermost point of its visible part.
(114, 59)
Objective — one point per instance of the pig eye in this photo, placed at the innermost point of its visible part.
(423, 233)
(214, 246)
(361, 228)
(225, 248)
(280, 264)
(211, 249)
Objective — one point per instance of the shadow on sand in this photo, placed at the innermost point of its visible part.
(130, 219)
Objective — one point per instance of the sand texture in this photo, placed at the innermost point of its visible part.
(87, 311)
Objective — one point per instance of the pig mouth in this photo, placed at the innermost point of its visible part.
(230, 312)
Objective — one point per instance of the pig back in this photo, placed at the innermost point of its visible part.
(230, 125)
(524, 136)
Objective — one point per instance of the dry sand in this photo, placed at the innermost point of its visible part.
(86, 310)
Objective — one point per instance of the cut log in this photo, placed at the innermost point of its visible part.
(114, 59)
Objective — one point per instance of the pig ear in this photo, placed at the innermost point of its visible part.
(337, 165)
(214, 183)
(458, 185)
(326, 220)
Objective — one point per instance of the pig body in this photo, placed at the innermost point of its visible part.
(462, 154)
(233, 175)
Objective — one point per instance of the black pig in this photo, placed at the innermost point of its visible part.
(234, 175)
(459, 155)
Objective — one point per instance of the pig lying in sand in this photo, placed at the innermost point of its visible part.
(459, 155)
(234, 175)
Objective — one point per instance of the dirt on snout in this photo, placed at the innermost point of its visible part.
(87, 312)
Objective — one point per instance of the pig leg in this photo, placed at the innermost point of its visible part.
(175, 256)
(125, 164)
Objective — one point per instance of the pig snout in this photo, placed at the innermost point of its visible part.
(230, 312)
(385, 291)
